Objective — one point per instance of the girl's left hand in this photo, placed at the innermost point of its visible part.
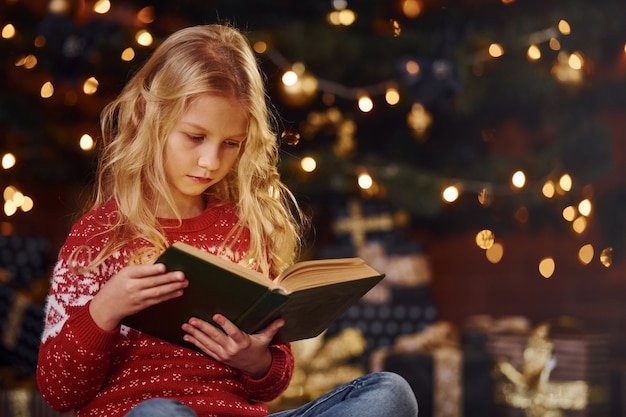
(246, 352)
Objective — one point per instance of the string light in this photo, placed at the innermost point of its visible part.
(102, 6)
(47, 90)
(14, 199)
(495, 253)
(144, 38)
(308, 164)
(365, 103)
(8, 31)
(86, 142)
(585, 254)
(128, 54)
(518, 179)
(90, 86)
(547, 267)
(411, 8)
(450, 194)
(8, 161)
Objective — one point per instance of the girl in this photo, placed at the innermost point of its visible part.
(189, 154)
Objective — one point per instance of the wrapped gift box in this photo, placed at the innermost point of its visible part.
(573, 379)
(25, 402)
(468, 394)
(450, 375)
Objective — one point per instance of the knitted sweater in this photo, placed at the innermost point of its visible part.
(105, 373)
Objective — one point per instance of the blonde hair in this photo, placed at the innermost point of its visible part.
(208, 59)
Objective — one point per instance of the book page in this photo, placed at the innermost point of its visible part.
(316, 273)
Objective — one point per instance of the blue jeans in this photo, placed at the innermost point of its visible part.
(372, 395)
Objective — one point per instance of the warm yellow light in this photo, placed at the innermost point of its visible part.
(485, 239)
(144, 38)
(485, 197)
(580, 224)
(308, 164)
(365, 104)
(47, 90)
(28, 61)
(260, 47)
(569, 213)
(392, 96)
(18, 199)
(548, 189)
(576, 61)
(347, 17)
(450, 194)
(555, 45)
(8, 31)
(419, 119)
(496, 50)
(344, 17)
(495, 253)
(90, 86)
(289, 78)
(40, 41)
(411, 8)
(146, 15)
(585, 254)
(533, 53)
(28, 204)
(584, 207)
(547, 267)
(606, 257)
(86, 142)
(412, 67)
(565, 182)
(333, 18)
(365, 181)
(8, 160)
(102, 6)
(9, 192)
(564, 27)
(128, 54)
(9, 208)
(518, 179)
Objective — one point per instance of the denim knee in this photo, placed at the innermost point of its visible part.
(161, 407)
(399, 393)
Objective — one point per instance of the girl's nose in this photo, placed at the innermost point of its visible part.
(209, 157)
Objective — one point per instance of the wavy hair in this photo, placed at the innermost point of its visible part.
(208, 59)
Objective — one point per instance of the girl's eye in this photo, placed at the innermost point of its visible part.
(232, 143)
(195, 138)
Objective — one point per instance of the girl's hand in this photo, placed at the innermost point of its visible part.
(246, 352)
(133, 289)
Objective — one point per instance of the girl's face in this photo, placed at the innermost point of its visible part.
(201, 149)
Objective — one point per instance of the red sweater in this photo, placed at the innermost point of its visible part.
(105, 373)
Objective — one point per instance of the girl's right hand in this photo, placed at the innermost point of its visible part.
(133, 289)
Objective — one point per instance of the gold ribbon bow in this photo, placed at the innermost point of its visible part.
(441, 340)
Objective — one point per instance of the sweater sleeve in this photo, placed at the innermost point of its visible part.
(75, 353)
(277, 378)
(73, 364)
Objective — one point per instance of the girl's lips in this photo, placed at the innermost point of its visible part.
(200, 180)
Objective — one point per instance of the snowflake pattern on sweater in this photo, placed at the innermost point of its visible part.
(105, 373)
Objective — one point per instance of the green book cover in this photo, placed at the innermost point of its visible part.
(251, 300)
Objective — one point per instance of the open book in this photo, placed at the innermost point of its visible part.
(308, 295)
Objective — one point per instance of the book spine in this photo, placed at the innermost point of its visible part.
(259, 315)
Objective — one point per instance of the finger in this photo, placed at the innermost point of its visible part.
(141, 271)
(228, 326)
(204, 336)
(273, 328)
(162, 284)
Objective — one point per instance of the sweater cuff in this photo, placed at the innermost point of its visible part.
(89, 334)
(277, 378)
